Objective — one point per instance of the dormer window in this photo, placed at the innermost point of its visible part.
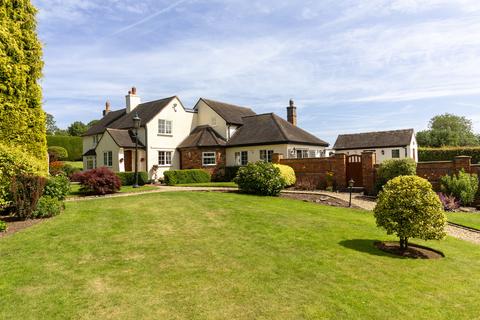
(164, 127)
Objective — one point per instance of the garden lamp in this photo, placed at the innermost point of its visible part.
(351, 184)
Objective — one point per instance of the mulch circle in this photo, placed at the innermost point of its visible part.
(14, 226)
(318, 199)
(413, 251)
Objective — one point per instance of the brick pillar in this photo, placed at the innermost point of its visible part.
(340, 170)
(368, 171)
(277, 157)
(462, 162)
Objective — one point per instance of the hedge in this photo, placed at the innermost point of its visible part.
(448, 153)
(15, 162)
(173, 177)
(128, 178)
(73, 145)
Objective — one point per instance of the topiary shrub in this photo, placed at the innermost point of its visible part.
(73, 145)
(408, 207)
(173, 177)
(3, 226)
(261, 178)
(56, 153)
(15, 162)
(26, 190)
(57, 187)
(390, 169)
(48, 207)
(98, 181)
(288, 174)
(128, 178)
(463, 186)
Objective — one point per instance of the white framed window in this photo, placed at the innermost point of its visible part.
(209, 158)
(396, 153)
(266, 155)
(302, 153)
(312, 153)
(238, 160)
(108, 158)
(90, 163)
(244, 158)
(165, 158)
(164, 127)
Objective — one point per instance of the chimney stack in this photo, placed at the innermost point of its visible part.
(132, 100)
(107, 108)
(292, 113)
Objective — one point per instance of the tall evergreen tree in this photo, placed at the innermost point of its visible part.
(22, 120)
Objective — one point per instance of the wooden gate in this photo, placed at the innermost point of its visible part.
(354, 170)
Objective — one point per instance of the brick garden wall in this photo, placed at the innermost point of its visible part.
(434, 170)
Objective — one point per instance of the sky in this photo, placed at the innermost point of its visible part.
(350, 66)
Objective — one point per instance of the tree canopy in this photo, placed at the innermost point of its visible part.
(51, 124)
(448, 130)
(77, 128)
(22, 121)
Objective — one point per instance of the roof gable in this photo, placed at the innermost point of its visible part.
(124, 138)
(379, 139)
(271, 129)
(232, 114)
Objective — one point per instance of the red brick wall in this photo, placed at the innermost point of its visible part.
(191, 158)
(433, 171)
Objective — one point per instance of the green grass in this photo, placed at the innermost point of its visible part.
(209, 184)
(75, 189)
(186, 255)
(75, 164)
(471, 220)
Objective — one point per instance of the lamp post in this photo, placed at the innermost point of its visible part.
(351, 184)
(136, 125)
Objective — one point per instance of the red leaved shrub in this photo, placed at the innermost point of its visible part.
(98, 181)
(56, 167)
(26, 191)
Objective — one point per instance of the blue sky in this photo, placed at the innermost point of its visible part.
(350, 66)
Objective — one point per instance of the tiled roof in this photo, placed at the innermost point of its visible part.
(271, 129)
(124, 138)
(380, 139)
(230, 113)
(203, 136)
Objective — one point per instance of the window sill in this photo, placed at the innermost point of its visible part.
(209, 165)
(164, 165)
(164, 135)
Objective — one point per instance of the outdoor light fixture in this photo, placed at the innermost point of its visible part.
(136, 125)
(351, 184)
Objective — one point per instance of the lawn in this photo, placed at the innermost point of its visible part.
(75, 164)
(75, 189)
(186, 255)
(210, 184)
(471, 220)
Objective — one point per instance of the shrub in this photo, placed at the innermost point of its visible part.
(173, 177)
(463, 186)
(408, 207)
(231, 173)
(449, 202)
(48, 207)
(14, 162)
(128, 178)
(98, 181)
(73, 145)
(261, 178)
(69, 170)
(26, 190)
(3, 226)
(57, 187)
(288, 174)
(448, 153)
(56, 167)
(390, 169)
(57, 153)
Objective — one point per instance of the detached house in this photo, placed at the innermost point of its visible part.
(395, 144)
(210, 136)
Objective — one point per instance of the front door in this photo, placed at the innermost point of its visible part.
(128, 160)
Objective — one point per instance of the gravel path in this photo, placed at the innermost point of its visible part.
(463, 234)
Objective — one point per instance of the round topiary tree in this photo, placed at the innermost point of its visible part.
(57, 153)
(261, 178)
(410, 208)
(288, 174)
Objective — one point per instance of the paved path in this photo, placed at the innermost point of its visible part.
(356, 200)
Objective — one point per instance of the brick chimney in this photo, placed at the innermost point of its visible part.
(132, 100)
(292, 113)
(107, 108)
